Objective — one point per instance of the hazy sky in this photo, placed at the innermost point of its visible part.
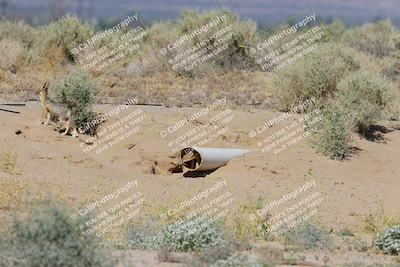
(267, 12)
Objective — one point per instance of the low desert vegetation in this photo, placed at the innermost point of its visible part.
(211, 244)
(344, 77)
(334, 135)
(48, 237)
(379, 39)
(389, 240)
(176, 237)
(8, 162)
(12, 194)
(308, 236)
(364, 96)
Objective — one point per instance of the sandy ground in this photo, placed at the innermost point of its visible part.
(364, 184)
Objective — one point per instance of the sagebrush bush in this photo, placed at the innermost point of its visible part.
(67, 33)
(334, 136)
(77, 91)
(316, 75)
(364, 96)
(49, 238)
(163, 33)
(20, 32)
(309, 236)
(378, 39)
(389, 240)
(245, 35)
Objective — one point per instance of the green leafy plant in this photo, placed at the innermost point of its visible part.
(194, 238)
(176, 237)
(389, 240)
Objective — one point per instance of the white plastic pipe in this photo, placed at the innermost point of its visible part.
(205, 158)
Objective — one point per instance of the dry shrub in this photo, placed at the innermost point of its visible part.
(163, 33)
(316, 75)
(66, 33)
(335, 134)
(379, 39)
(11, 55)
(364, 96)
(19, 31)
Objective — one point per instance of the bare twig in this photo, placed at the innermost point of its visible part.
(11, 111)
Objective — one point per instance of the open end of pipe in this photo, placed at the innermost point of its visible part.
(191, 159)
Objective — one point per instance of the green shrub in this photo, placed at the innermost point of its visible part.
(77, 91)
(335, 134)
(176, 237)
(316, 75)
(389, 240)
(48, 238)
(194, 238)
(364, 96)
(145, 235)
(67, 33)
(377, 39)
(309, 236)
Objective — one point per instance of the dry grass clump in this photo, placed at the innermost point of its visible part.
(8, 162)
(12, 194)
(377, 221)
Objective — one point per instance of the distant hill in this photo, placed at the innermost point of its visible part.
(265, 12)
